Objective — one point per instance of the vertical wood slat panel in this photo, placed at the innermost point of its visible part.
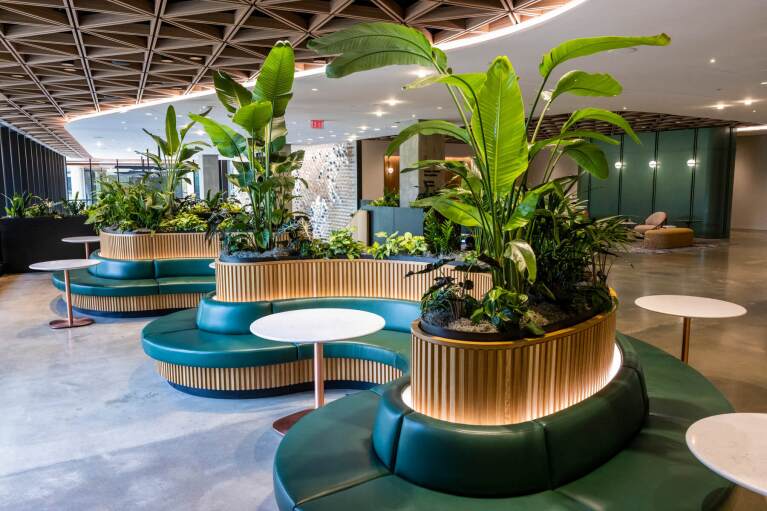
(313, 278)
(136, 303)
(509, 382)
(186, 245)
(276, 375)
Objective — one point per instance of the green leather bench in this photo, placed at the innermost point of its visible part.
(621, 449)
(139, 278)
(216, 336)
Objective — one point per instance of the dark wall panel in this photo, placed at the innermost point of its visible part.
(605, 193)
(637, 185)
(27, 166)
(674, 175)
(692, 181)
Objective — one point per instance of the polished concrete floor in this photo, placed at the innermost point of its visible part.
(86, 423)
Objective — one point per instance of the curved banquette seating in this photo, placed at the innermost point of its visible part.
(135, 286)
(210, 350)
(623, 448)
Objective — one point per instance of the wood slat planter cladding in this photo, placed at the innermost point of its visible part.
(495, 383)
(136, 303)
(276, 375)
(177, 245)
(279, 280)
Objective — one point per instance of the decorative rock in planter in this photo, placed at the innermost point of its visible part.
(506, 382)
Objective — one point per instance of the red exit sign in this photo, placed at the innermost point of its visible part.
(318, 124)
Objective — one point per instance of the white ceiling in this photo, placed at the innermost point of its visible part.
(678, 79)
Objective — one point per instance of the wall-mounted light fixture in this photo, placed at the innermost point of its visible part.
(390, 170)
(654, 164)
(691, 163)
(619, 165)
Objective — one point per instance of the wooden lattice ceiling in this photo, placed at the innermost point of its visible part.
(63, 58)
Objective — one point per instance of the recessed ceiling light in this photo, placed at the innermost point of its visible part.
(712, 61)
(412, 115)
(195, 58)
(754, 111)
(719, 106)
(392, 101)
(379, 113)
(439, 108)
(376, 129)
(625, 108)
(363, 128)
(748, 101)
(148, 113)
(394, 126)
(314, 89)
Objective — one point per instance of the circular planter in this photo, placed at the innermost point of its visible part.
(506, 382)
(172, 245)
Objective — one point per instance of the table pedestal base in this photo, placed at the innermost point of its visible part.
(65, 323)
(283, 424)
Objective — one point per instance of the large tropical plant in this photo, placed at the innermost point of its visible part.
(493, 197)
(254, 139)
(174, 155)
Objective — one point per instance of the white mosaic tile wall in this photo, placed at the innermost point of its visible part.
(330, 171)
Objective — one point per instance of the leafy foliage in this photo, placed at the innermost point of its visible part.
(394, 244)
(442, 236)
(19, 204)
(493, 197)
(174, 155)
(448, 300)
(184, 222)
(253, 141)
(389, 199)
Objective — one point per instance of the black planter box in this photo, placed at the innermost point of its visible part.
(24, 241)
(389, 220)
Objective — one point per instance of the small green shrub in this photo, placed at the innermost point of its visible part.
(19, 204)
(184, 222)
(442, 236)
(340, 244)
(389, 199)
(394, 244)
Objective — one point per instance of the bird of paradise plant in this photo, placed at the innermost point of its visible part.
(493, 197)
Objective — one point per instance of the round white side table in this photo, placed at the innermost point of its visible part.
(733, 445)
(315, 326)
(689, 307)
(66, 265)
(86, 240)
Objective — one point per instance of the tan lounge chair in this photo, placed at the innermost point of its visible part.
(654, 221)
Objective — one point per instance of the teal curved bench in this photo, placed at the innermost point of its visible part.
(139, 278)
(550, 464)
(216, 337)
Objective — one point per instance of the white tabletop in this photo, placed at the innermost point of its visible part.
(81, 239)
(690, 306)
(212, 265)
(317, 325)
(734, 445)
(64, 264)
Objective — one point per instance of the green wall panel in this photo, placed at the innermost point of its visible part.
(605, 196)
(673, 177)
(637, 188)
(713, 181)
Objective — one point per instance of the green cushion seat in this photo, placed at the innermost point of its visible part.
(229, 317)
(182, 267)
(186, 284)
(122, 270)
(653, 470)
(199, 348)
(388, 347)
(84, 283)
